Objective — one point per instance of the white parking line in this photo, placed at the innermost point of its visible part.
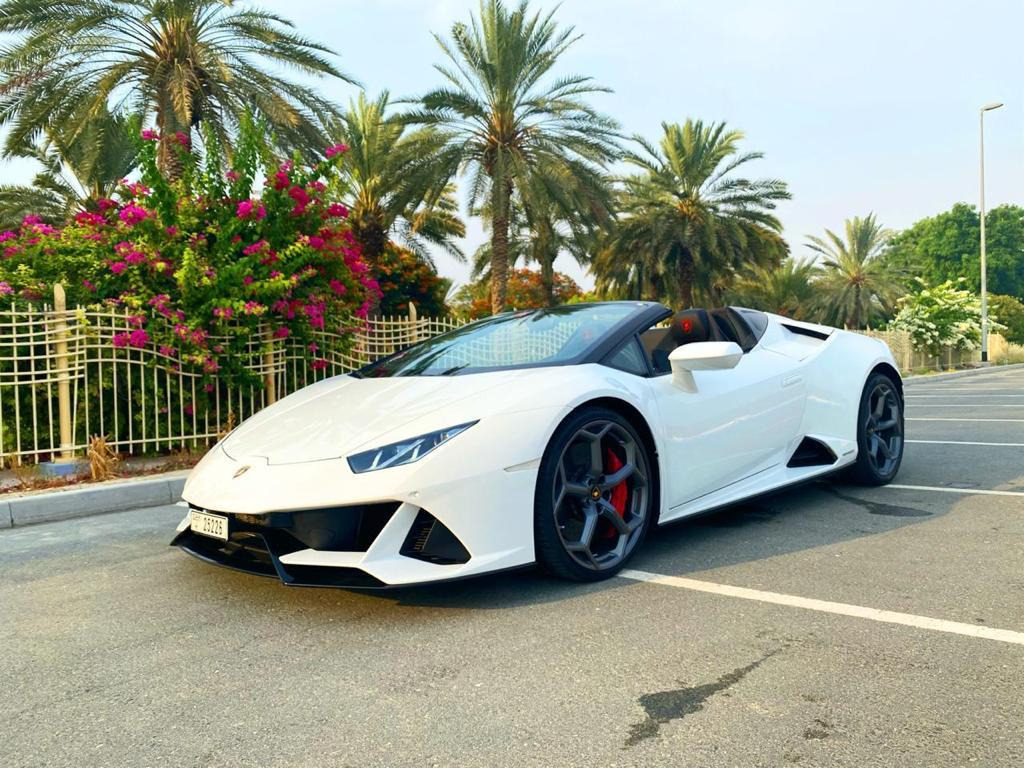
(962, 491)
(826, 606)
(1001, 421)
(967, 405)
(964, 442)
(958, 397)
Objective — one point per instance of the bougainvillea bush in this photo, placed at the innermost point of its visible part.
(203, 263)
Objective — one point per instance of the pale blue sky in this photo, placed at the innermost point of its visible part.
(860, 106)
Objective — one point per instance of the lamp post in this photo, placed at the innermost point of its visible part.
(984, 273)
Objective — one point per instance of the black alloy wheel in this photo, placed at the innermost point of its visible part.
(594, 498)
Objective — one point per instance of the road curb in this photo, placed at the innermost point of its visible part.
(962, 374)
(67, 503)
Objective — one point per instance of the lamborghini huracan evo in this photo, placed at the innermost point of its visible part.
(556, 436)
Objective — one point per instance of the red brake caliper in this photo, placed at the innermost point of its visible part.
(619, 492)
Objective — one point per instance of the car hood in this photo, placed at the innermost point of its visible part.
(335, 417)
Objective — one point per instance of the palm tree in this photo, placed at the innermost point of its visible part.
(507, 121)
(393, 183)
(552, 214)
(75, 172)
(788, 289)
(687, 225)
(857, 286)
(180, 62)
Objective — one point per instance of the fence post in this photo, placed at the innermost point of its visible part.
(60, 309)
(269, 379)
(414, 326)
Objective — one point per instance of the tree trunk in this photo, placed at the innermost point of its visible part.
(547, 279)
(686, 279)
(500, 194)
(168, 159)
(856, 307)
(372, 240)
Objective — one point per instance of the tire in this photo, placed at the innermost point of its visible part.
(587, 523)
(880, 431)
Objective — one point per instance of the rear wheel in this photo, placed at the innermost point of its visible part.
(879, 432)
(594, 496)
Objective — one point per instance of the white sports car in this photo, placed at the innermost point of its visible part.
(556, 436)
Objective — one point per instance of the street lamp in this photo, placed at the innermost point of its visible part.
(984, 274)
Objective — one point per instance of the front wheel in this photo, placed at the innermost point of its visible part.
(879, 432)
(594, 498)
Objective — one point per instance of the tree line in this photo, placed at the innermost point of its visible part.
(686, 222)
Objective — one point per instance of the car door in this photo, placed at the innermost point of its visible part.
(738, 422)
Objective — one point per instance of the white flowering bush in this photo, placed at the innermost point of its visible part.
(945, 315)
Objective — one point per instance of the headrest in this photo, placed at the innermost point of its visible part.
(691, 325)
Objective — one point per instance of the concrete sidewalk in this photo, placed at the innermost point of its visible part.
(47, 505)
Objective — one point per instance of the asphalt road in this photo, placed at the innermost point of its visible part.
(116, 650)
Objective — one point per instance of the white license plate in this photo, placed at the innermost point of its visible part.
(214, 526)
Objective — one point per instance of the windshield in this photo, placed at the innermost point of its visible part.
(515, 340)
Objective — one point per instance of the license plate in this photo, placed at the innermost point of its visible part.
(214, 526)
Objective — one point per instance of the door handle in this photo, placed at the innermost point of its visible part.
(791, 381)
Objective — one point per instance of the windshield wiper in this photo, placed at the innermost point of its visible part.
(453, 370)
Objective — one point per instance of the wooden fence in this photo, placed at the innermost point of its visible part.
(63, 380)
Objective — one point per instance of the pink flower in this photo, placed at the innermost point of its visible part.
(30, 220)
(121, 339)
(182, 138)
(167, 351)
(337, 211)
(118, 267)
(281, 180)
(105, 204)
(223, 312)
(338, 287)
(210, 365)
(138, 338)
(337, 149)
(248, 280)
(88, 286)
(316, 243)
(132, 214)
(135, 257)
(299, 195)
(255, 248)
(282, 333)
(233, 175)
(85, 218)
(136, 320)
(5, 236)
(172, 231)
(247, 210)
(208, 387)
(150, 135)
(319, 364)
(313, 347)
(5, 288)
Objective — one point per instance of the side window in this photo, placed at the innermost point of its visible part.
(629, 358)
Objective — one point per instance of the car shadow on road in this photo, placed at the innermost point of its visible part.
(807, 517)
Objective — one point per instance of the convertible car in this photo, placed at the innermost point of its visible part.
(556, 436)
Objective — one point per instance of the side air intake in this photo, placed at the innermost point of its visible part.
(811, 453)
(430, 540)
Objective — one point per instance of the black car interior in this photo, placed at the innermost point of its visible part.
(690, 325)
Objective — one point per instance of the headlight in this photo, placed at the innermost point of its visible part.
(404, 452)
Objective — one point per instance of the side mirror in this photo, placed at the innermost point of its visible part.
(702, 356)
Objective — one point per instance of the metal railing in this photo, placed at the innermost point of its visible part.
(63, 380)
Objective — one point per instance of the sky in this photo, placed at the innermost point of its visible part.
(860, 107)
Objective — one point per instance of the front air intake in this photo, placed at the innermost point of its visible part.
(430, 540)
(811, 453)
